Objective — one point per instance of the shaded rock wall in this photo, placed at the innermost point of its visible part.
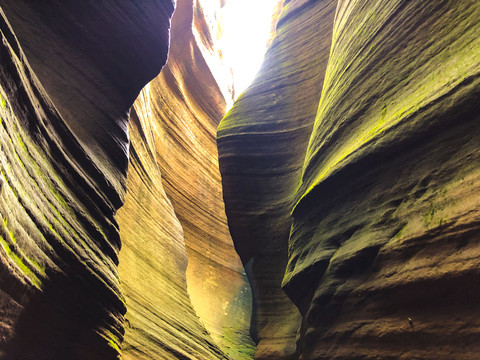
(387, 225)
(383, 248)
(63, 162)
(262, 143)
(93, 59)
(174, 207)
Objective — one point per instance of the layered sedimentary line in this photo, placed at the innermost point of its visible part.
(63, 161)
(174, 207)
(93, 59)
(262, 143)
(405, 102)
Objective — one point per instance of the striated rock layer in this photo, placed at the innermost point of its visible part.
(160, 322)
(174, 207)
(384, 246)
(383, 251)
(262, 143)
(63, 159)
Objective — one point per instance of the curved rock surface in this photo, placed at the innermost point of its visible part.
(64, 158)
(63, 163)
(174, 203)
(384, 245)
(350, 172)
(383, 248)
(93, 59)
(262, 143)
(160, 322)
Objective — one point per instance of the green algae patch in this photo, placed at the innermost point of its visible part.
(38, 178)
(234, 348)
(24, 268)
(387, 99)
(113, 343)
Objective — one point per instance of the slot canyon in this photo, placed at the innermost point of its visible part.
(154, 209)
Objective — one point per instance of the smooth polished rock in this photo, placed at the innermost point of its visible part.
(174, 208)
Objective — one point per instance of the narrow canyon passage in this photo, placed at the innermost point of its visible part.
(159, 201)
(174, 183)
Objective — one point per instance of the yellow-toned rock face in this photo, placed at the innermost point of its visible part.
(160, 322)
(376, 188)
(65, 146)
(174, 208)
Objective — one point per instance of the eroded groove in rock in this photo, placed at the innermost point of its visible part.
(63, 154)
(174, 158)
(383, 259)
(262, 143)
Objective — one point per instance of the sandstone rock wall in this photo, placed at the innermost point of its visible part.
(160, 322)
(262, 143)
(384, 245)
(382, 189)
(63, 140)
(65, 148)
(174, 183)
(350, 172)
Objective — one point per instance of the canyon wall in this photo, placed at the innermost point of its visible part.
(262, 143)
(65, 151)
(63, 161)
(174, 208)
(350, 173)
